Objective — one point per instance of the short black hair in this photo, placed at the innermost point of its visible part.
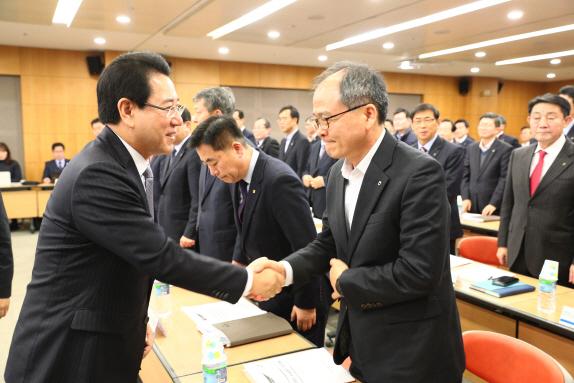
(218, 132)
(95, 120)
(524, 127)
(502, 119)
(550, 98)
(267, 122)
(56, 144)
(391, 121)
(567, 90)
(240, 114)
(493, 116)
(462, 120)
(423, 107)
(186, 115)
(452, 127)
(294, 111)
(128, 76)
(402, 110)
(217, 98)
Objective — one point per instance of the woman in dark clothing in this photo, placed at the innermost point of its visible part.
(7, 164)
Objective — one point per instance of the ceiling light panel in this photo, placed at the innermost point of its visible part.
(66, 11)
(535, 58)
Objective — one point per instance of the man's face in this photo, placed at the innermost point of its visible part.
(286, 123)
(224, 164)
(182, 132)
(309, 128)
(389, 127)
(571, 101)
(547, 123)
(97, 128)
(461, 130)
(401, 122)
(240, 121)
(445, 131)
(154, 131)
(58, 153)
(525, 135)
(259, 130)
(201, 112)
(425, 126)
(487, 129)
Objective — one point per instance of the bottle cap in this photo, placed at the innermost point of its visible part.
(549, 271)
(212, 351)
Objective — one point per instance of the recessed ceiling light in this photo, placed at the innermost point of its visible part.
(322, 58)
(388, 45)
(406, 65)
(474, 70)
(480, 54)
(257, 14)
(515, 15)
(273, 34)
(65, 11)
(498, 41)
(123, 19)
(223, 50)
(535, 58)
(99, 40)
(550, 75)
(416, 23)
(555, 61)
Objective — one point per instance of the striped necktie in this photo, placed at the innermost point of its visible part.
(148, 174)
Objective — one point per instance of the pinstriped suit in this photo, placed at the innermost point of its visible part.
(545, 221)
(84, 315)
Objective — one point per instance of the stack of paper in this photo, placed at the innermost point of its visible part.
(473, 217)
(458, 261)
(483, 273)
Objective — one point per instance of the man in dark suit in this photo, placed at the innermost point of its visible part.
(461, 133)
(536, 219)
(216, 231)
(57, 165)
(402, 124)
(180, 188)
(295, 147)
(97, 126)
(261, 131)
(485, 168)
(239, 117)
(156, 166)
(84, 317)
(512, 141)
(311, 132)
(385, 238)
(271, 213)
(567, 92)
(450, 156)
(6, 261)
(314, 177)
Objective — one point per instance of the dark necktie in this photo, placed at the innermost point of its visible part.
(149, 189)
(243, 190)
(172, 157)
(60, 165)
(537, 173)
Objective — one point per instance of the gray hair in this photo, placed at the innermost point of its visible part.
(217, 97)
(360, 85)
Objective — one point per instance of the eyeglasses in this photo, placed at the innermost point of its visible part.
(323, 122)
(171, 111)
(426, 121)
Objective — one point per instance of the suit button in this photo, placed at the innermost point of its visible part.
(368, 305)
(379, 304)
(529, 207)
(363, 306)
(248, 258)
(146, 320)
(225, 295)
(202, 210)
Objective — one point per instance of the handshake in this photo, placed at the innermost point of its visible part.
(268, 279)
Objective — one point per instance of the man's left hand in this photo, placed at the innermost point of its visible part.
(571, 278)
(148, 341)
(306, 318)
(317, 182)
(337, 268)
(488, 210)
(186, 242)
(5, 305)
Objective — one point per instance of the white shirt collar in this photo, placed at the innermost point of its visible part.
(242, 128)
(290, 136)
(487, 147)
(569, 127)
(180, 145)
(461, 140)
(555, 148)
(140, 162)
(499, 134)
(429, 144)
(362, 167)
(249, 175)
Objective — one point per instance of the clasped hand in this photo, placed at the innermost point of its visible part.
(268, 279)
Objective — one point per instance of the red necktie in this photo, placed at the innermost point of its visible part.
(423, 149)
(537, 173)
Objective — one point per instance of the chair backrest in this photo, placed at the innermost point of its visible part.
(480, 249)
(499, 358)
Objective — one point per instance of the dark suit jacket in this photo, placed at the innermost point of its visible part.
(451, 158)
(398, 298)
(544, 221)
(570, 133)
(216, 233)
(297, 154)
(180, 194)
(485, 186)
(156, 166)
(469, 140)
(409, 138)
(84, 314)
(247, 134)
(270, 147)
(315, 168)
(6, 259)
(52, 167)
(512, 141)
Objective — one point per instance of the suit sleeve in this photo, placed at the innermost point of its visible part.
(16, 175)
(193, 169)
(507, 206)
(496, 199)
(108, 209)
(303, 156)
(464, 185)
(454, 170)
(46, 171)
(274, 149)
(6, 258)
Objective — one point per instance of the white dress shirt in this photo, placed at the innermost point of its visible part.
(487, 147)
(568, 128)
(551, 154)
(288, 139)
(461, 140)
(428, 145)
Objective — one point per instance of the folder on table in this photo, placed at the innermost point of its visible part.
(473, 217)
(253, 329)
(501, 291)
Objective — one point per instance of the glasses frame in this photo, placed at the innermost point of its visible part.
(417, 123)
(315, 121)
(171, 111)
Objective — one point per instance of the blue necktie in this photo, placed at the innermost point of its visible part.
(243, 190)
(148, 174)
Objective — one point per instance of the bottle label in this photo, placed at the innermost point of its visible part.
(162, 289)
(214, 375)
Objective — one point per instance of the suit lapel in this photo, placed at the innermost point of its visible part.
(314, 159)
(323, 159)
(292, 143)
(176, 160)
(492, 152)
(206, 182)
(523, 170)
(339, 214)
(253, 193)
(561, 163)
(436, 147)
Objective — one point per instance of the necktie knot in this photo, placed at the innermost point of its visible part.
(148, 173)
(541, 154)
(537, 173)
(423, 149)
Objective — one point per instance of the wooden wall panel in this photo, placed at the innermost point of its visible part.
(513, 103)
(195, 71)
(278, 76)
(239, 74)
(554, 87)
(42, 90)
(55, 63)
(306, 75)
(9, 60)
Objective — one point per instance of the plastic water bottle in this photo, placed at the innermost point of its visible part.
(546, 295)
(459, 203)
(162, 299)
(216, 372)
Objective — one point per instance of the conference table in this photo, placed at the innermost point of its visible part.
(26, 201)
(481, 228)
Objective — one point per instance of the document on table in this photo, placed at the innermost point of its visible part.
(483, 273)
(312, 366)
(458, 261)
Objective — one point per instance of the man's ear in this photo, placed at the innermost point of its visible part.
(127, 109)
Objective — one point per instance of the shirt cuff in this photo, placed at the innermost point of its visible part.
(288, 273)
(249, 284)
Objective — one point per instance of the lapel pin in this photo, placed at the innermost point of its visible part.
(434, 154)
(379, 183)
(292, 144)
(253, 191)
(564, 164)
(493, 150)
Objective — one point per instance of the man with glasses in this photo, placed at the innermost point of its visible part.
(384, 242)
(294, 149)
(426, 123)
(84, 317)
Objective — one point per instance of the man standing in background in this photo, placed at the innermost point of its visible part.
(57, 165)
(295, 147)
(510, 140)
(461, 133)
(239, 117)
(261, 131)
(97, 126)
(567, 92)
(402, 124)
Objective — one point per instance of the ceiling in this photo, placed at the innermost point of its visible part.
(179, 28)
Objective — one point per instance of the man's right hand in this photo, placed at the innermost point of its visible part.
(266, 284)
(502, 254)
(47, 180)
(307, 180)
(4, 306)
(466, 205)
